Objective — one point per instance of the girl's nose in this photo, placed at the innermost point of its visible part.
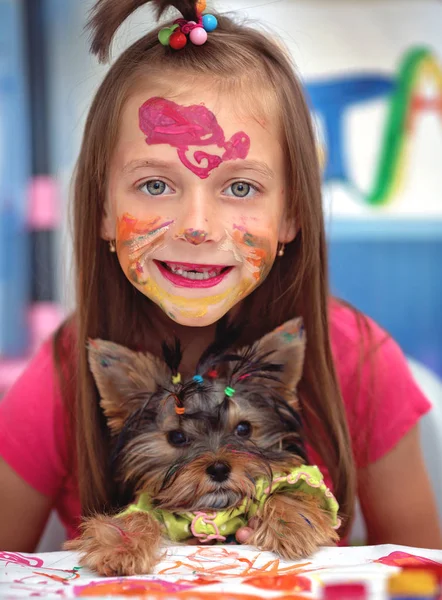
(195, 236)
(197, 223)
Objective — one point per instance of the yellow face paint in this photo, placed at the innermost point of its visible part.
(188, 307)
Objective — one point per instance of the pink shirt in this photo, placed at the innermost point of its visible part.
(381, 399)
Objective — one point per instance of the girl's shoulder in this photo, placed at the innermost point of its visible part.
(358, 342)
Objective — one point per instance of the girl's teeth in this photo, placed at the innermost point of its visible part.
(194, 275)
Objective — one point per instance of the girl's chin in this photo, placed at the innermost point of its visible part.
(196, 318)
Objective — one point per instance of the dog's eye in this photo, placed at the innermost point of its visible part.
(243, 429)
(177, 438)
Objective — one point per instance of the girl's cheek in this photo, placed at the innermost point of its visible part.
(137, 239)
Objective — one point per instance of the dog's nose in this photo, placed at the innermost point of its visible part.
(218, 471)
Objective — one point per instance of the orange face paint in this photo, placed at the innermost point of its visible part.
(140, 238)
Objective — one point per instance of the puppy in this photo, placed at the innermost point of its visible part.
(206, 454)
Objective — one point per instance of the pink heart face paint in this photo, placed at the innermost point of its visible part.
(165, 122)
(196, 246)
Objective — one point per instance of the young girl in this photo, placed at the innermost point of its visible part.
(197, 198)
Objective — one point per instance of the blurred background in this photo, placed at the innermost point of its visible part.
(373, 74)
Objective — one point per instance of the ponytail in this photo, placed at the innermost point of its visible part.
(107, 16)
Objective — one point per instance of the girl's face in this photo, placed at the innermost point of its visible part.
(196, 202)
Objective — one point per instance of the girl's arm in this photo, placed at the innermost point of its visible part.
(396, 497)
(23, 512)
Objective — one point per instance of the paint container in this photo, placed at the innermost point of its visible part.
(345, 591)
(413, 584)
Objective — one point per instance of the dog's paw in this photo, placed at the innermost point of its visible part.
(293, 527)
(117, 546)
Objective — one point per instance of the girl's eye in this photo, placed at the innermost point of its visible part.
(177, 438)
(155, 187)
(243, 429)
(241, 189)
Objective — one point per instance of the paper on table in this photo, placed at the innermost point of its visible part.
(196, 571)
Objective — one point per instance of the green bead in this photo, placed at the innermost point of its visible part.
(165, 33)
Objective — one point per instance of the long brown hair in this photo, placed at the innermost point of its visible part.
(110, 307)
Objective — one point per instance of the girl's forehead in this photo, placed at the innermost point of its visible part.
(196, 114)
(234, 107)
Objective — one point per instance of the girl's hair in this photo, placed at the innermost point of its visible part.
(110, 307)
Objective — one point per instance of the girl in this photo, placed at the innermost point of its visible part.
(197, 198)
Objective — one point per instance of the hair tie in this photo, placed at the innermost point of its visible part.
(181, 30)
(198, 379)
(213, 374)
(179, 406)
(229, 391)
(176, 378)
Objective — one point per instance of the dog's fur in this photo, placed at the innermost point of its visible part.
(139, 402)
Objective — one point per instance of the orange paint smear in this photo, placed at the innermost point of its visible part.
(129, 226)
(255, 253)
(140, 236)
(63, 580)
(284, 583)
(132, 587)
(198, 558)
(117, 589)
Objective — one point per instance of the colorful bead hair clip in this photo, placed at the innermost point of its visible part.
(176, 36)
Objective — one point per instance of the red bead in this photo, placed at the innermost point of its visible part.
(177, 40)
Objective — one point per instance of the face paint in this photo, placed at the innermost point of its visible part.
(141, 238)
(193, 236)
(253, 251)
(165, 122)
(139, 243)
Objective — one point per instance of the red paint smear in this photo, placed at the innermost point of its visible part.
(285, 583)
(20, 559)
(62, 580)
(165, 122)
(403, 559)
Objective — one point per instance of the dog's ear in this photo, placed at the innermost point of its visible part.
(287, 347)
(124, 378)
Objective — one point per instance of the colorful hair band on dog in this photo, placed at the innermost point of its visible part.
(213, 374)
(179, 406)
(176, 36)
(176, 378)
(198, 379)
(229, 391)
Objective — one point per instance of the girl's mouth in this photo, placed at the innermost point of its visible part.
(192, 275)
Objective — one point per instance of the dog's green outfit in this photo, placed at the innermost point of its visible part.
(217, 525)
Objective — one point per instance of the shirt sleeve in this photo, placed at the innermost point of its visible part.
(382, 400)
(32, 426)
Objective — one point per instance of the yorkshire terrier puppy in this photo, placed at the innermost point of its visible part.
(205, 455)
